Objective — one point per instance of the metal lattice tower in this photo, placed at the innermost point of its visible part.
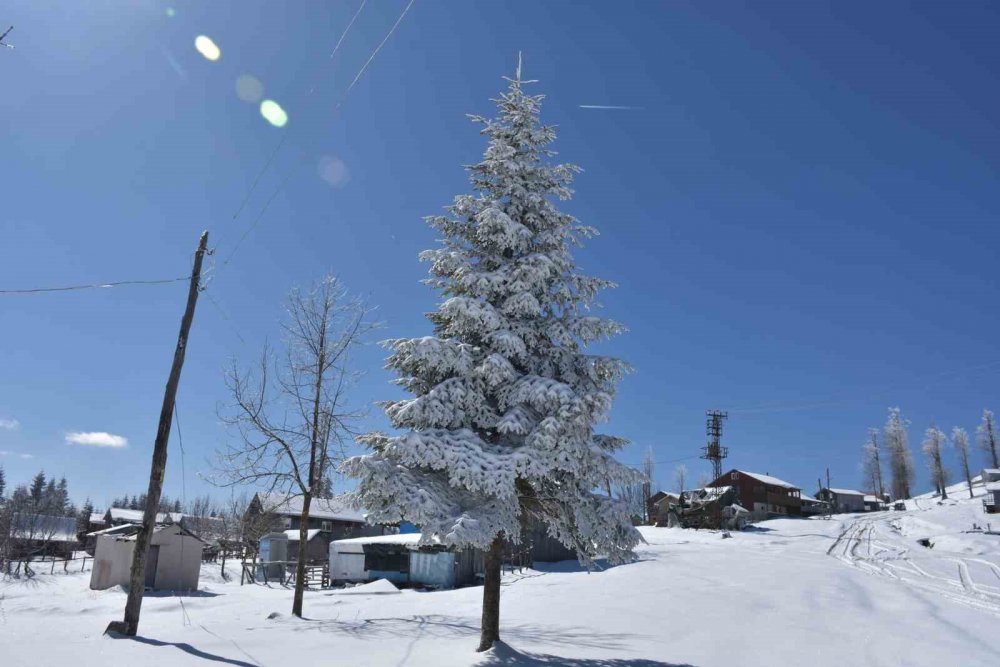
(714, 451)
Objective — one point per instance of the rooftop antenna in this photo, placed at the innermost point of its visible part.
(714, 451)
(11, 46)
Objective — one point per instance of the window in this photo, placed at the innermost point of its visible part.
(734, 476)
(287, 522)
(386, 558)
(326, 525)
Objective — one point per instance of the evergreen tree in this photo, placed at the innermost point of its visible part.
(3, 482)
(934, 439)
(986, 436)
(83, 518)
(177, 507)
(900, 457)
(501, 427)
(62, 502)
(37, 489)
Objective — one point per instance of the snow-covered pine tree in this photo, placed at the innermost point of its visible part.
(934, 439)
(501, 427)
(900, 457)
(987, 436)
(960, 441)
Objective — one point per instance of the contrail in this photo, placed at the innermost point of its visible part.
(609, 106)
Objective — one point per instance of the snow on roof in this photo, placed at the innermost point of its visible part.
(813, 501)
(872, 499)
(767, 479)
(97, 517)
(173, 526)
(992, 487)
(846, 492)
(336, 508)
(991, 471)
(395, 538)
(293, 535)
(43, 528)
(135, 516)
(124, 528)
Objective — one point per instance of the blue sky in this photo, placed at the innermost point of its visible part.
(801, 216)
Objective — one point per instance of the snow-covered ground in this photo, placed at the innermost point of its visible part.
(853, 590)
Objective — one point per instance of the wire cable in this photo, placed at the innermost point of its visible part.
(288, 175)
(118, 283)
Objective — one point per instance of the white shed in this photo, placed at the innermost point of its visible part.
(173, 561)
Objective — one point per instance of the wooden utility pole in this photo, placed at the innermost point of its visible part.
(138, 576)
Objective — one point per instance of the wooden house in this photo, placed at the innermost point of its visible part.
(329, 519)
(762, 495)
(843, 500)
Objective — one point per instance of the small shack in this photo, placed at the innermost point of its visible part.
(173, 561)
(316, 546)
(991, 501)
(403, 560)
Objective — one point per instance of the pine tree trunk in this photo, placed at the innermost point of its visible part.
(300, 565)
(493, 562)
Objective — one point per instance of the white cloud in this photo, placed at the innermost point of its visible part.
(333, 171)
(7, 452)
(26, 456)
(96, 439)
(9, 424)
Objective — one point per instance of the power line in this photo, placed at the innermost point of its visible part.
(284, 181)
(118, 283)
(284, 136)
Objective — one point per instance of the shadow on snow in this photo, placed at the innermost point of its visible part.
(502, 654)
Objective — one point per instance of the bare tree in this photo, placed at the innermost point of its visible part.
(986, 436)
(680, 475)
(292, 415)
(648, 468)
(934, 438)
(634, 496)
(960, 441)
(871, 463)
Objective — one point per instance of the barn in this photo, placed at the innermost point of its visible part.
(173, 561)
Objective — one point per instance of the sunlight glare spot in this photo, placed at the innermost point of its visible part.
(207, 48)
(249, 88)
(273, 113)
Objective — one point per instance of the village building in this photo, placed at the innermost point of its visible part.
(329, 519)
(172, 563)
(403, 560)
(990, 475)
(96, 522)
(813, 506)
(843, 500)
(658, 505)
(762, 495)
(38, 535)
(90, 539)
(991, 501)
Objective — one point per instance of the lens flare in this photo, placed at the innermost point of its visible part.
(273, 113)
(207, 48)
(249, 88)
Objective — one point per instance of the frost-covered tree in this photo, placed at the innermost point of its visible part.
(501, 428)
(986, 436)
(960, 441)
(871, 463)
(900, 457)
(649, 471)
(934, 439)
